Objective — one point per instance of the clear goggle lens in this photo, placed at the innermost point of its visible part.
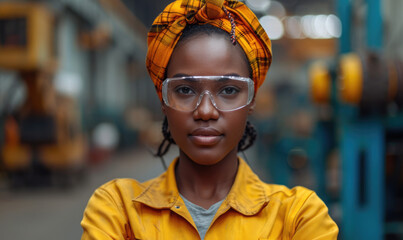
(226, 93)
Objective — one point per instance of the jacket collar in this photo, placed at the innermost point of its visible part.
(247, 195)
(161, 192)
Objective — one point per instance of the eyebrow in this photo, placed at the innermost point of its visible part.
(187, 75)
(181, 75)
(232, 74)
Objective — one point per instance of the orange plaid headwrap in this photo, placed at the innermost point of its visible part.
(169, 25)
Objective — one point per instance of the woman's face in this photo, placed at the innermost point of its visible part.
(207, 135)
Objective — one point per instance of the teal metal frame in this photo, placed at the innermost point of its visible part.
(362, 151)
(362, 146)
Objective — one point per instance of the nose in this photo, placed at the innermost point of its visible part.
(206, 109)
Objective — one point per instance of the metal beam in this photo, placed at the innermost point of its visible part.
(344, 12)
(374, 25)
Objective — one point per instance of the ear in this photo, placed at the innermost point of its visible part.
(252, 107)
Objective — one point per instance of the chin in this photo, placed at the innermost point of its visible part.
(207, 156)
(206, 162)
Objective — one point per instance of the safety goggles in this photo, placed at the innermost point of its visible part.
(226, 93)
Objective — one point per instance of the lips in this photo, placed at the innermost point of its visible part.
(205, 136)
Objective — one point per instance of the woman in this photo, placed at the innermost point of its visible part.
(207, 58)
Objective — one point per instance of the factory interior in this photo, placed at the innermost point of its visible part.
(78, 108)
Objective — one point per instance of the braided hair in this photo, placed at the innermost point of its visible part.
(167, 141)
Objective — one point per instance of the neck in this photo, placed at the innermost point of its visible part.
(206, 185)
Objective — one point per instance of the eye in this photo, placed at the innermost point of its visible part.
(229, 90)
(185, 90)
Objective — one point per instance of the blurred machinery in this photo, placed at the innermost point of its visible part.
(80, 68)
(366, 97)
(347, 147)
(365, 93)
(44, 137)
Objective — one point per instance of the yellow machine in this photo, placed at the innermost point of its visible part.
(320, 82)
(44, 137)
(354, 86)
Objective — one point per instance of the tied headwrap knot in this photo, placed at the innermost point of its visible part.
(230, 15)
(211, 9)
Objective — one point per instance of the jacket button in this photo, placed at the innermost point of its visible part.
(177, 207)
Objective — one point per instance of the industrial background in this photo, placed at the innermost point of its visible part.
(78, 109)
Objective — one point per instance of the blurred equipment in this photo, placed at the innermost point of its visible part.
(25, 36)
(320, 82)
(371, 82)
(364, 91)
(43, 139)
(367, 81)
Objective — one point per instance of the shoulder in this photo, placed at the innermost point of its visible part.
(109, 209)
(124, 188)
(294, 199)
(306, 214)
(280, 192)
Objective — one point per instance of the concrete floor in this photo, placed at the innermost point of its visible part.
(48, 213)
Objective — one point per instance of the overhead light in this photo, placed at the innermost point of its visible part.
(273, 27)
(333, 26)
(313, 26)
(276, 9)
(69, 83)
(106, 136)
(319, 26)
(308, 27)
(293, 27)
(258, 5)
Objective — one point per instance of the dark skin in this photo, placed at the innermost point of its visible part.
(207, 138)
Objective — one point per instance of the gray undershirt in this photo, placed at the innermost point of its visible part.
(202, 217)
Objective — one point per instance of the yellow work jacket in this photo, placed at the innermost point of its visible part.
(125, 209)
